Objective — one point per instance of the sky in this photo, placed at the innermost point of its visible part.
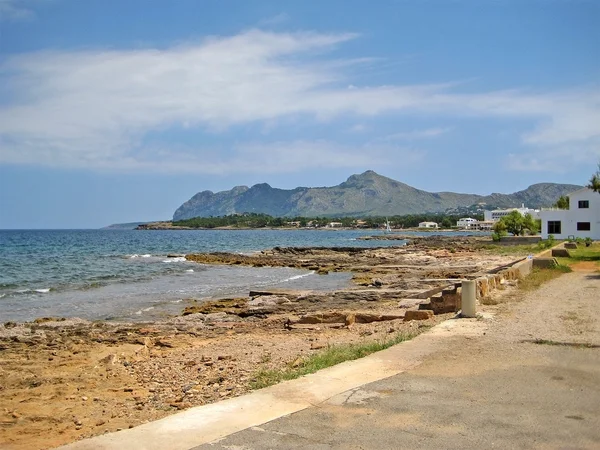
(117, 111)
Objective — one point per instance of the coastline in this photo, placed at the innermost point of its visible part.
(85, 378)
(169, 226)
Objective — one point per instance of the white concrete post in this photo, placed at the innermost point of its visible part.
(468, 298)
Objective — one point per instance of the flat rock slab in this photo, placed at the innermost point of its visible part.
(561, 252)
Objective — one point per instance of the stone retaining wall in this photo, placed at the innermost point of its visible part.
(449, 299)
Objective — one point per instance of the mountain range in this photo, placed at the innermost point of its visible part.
(366, 194)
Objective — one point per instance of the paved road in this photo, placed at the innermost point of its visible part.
(495, 390)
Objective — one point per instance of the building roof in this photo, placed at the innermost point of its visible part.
(580, 190)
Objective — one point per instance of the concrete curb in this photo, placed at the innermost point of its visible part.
(208, 423)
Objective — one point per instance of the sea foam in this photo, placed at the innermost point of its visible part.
(297, 277)
(178, 259)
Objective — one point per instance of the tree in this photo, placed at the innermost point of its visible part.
(447, 222)
(530, 224)
(595, 181)
(514, 222)
(562, 202)
(499, 230)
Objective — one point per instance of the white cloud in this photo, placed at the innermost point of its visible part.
(275, 20)
(559, 159)
(14, 10)
(358, 128)
(416, 134)
(95, 108)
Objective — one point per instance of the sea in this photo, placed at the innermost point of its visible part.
(135, 275)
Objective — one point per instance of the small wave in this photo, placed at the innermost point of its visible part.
(141, 311)
(177, 301)
(178, 259)
(22, 291)
(147, 255)
(190, 270)
(297, 277)
(42, 291)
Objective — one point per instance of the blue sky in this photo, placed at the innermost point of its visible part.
(120, 110)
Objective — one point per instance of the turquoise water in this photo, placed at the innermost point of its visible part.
(133, 275)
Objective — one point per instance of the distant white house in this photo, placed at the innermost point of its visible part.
(334, 225)
(466, 223)
(428, 225)
(582, 219)
(497, 214)
(484, 225)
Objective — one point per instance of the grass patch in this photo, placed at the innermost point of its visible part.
(330, 356)
(581, 254)
(537, 277)
(511, 250)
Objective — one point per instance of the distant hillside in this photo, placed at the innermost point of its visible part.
(367, 194)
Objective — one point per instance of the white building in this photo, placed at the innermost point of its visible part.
(466, 222)
(497, 214)
(428, 225)
(582, 219)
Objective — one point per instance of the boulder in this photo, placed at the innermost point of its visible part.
(418, 315)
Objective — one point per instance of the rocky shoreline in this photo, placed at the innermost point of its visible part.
(62, 380)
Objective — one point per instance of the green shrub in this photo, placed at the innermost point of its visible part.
(548, 243)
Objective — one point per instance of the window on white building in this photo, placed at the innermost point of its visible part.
(554, 227)
(583, 226)
(584, 204)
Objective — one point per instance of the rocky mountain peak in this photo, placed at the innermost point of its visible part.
(365, 194)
